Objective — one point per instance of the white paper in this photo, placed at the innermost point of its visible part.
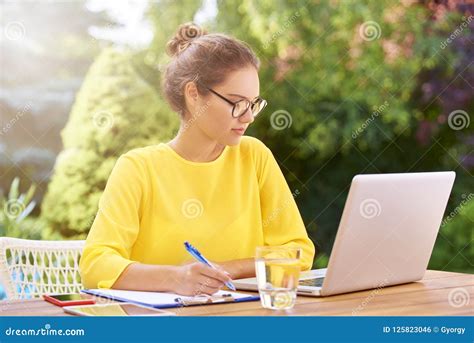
(156, 298)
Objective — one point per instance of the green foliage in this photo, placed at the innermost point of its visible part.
(453, 250)
(114, 112)
(354, 104)
(16, 218)
(350, 77)
(15, 207)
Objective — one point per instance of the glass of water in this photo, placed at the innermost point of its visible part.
(278, 271)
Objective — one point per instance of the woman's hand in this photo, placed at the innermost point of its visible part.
(238, 269)
(197, 278)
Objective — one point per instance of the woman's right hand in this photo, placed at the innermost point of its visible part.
(198, 278)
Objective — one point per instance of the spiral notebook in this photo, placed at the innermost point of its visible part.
(168, 300)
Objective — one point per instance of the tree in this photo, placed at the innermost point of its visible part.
(114, 112)
(346, 84)
(118, 108)
(343, 81)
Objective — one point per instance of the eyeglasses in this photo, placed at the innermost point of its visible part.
(241, 107)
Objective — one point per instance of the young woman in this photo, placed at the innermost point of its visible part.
(211, 185)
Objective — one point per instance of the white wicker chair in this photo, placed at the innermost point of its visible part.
(29, 269)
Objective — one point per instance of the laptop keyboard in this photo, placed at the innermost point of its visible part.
(316, 282)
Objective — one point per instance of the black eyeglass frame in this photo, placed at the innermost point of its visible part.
(250, 104)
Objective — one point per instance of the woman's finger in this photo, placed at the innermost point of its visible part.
(210, 282)
(205, 289)
(215, 274)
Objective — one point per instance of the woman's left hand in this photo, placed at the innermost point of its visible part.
(238, 269)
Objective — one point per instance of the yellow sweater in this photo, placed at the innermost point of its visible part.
(155, 200)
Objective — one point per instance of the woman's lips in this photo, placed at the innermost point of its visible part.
(239, 131)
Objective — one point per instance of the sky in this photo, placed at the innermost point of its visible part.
(135, 30)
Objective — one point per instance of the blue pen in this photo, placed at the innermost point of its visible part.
(198, 256)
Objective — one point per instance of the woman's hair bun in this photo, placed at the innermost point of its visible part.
(183, 38)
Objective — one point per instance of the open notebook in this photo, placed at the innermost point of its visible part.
(167, 300)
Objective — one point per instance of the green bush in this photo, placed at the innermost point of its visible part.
(114, 112)
(347, 82)
(15, 215)
(15, 207)
(454, 250)
(346, 89)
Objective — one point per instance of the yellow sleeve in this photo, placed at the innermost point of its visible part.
(282, 222)
(108, 246)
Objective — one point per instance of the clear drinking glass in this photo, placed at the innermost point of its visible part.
(278, 271)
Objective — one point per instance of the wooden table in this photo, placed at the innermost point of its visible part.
(439, 293)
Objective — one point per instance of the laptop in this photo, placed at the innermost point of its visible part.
(385, 237)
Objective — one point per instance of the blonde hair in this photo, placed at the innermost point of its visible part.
(204, 58)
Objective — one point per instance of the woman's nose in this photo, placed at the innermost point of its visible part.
(247, 117)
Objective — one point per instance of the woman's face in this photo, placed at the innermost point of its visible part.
(213, 115)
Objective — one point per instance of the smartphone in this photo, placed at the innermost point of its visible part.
(125, 309)
(69, 299)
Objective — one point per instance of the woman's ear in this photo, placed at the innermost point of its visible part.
(191, 94)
